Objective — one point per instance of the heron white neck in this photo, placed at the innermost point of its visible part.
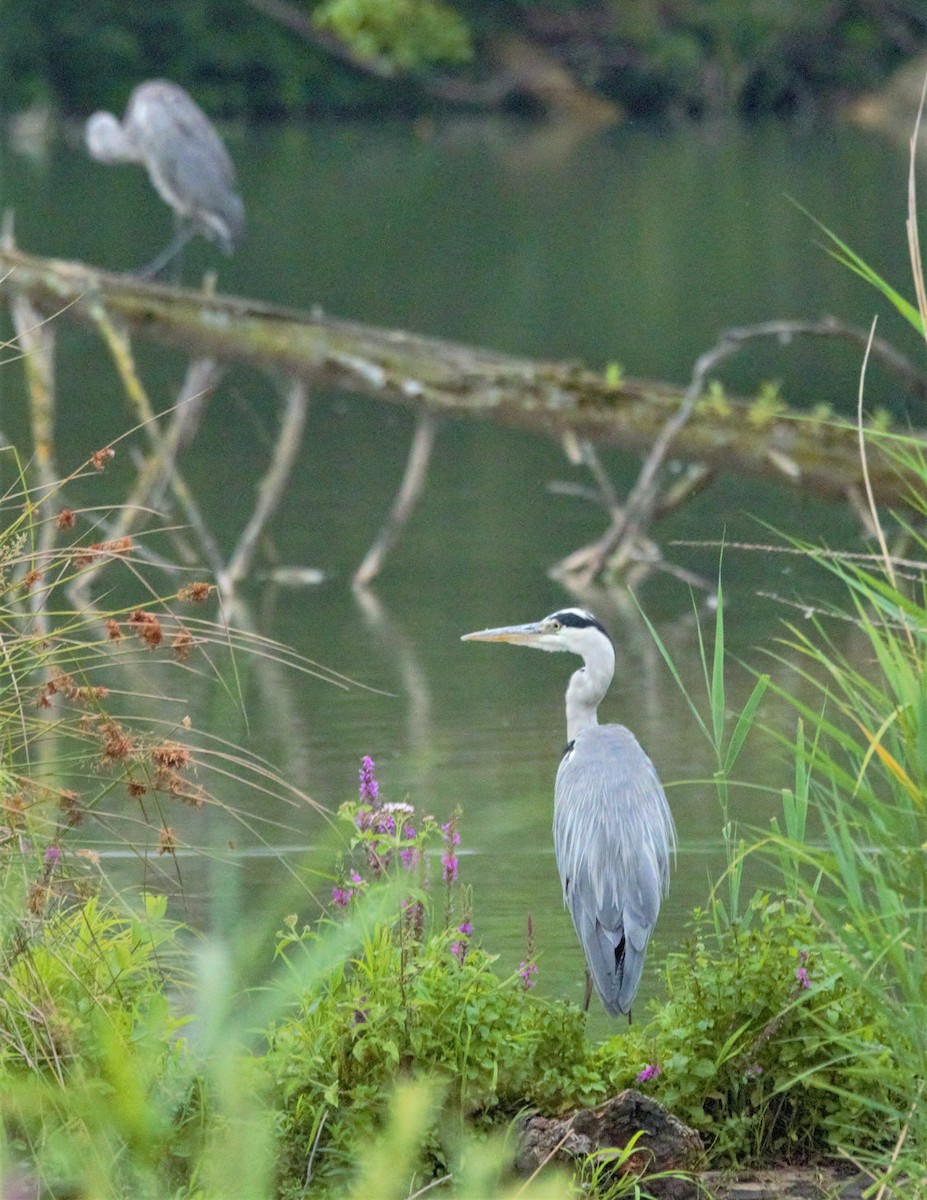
(586, 688)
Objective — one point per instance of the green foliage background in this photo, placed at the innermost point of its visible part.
(686, 57)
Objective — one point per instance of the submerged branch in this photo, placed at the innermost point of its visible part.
(410, 491)
(817, 454)
(273, 484)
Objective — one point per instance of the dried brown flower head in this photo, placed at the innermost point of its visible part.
(113, 631)
(100, 458)
(115, 546)
(182, 644)
(85, 555)
(117, 744)
(167, 839)
(171, 755)
(14, 806)
(66, 519)
(196, 593)
(147, 626)
(167, 780)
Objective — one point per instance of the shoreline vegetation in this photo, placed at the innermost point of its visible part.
(590, 60)
(172, 1056)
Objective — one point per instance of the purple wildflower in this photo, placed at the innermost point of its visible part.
(410, 857)
(355, 878)
(408, 832)
(52, 857)
(526, 972)
(651, 1071)
(341, 897)
(462, 945)
(384, 822)
(801, 974)
(369, 788)
(414, 915)
(448, 857)
(755, 1070)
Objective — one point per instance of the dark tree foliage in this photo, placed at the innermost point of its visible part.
(701, 57)
(685, 57)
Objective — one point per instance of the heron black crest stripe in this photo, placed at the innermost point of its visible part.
(577, 618)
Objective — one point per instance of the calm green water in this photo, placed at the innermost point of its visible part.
(633, 246)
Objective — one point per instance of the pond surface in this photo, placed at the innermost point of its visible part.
(633, 246)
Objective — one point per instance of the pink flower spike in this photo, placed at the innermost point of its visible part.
(369, 788)
(526, 972)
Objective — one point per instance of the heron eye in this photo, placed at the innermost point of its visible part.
(555, 626)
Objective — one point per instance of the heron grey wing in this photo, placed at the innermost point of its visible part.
(186, 159)
(613, 838)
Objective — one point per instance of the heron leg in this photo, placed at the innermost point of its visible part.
(588, 996)
(181, 236)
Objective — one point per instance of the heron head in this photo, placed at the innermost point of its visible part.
(570, 629)
(106, 140)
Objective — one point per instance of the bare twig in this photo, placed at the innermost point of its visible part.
(914, 247)
(800, 551)
(272, 486)
(410, 489)
(642, 498)
(164, 447)
(36, 338)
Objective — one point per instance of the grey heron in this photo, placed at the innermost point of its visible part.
(614, 836)
(187, 163)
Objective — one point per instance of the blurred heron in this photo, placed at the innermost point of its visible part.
(613, 830)
(189, 167)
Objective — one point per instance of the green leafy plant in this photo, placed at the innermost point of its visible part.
(410, 33)
(422, 998)
(84, 963)
(751, 1044)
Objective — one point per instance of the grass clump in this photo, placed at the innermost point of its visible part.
(76, 969)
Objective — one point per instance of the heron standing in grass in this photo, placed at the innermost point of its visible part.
(189, 167)
(613, 831)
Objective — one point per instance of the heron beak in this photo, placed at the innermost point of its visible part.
(523, 634)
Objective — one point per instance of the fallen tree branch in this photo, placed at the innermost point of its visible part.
(816, 454)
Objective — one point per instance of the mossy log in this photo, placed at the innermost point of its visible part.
(755, 438)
